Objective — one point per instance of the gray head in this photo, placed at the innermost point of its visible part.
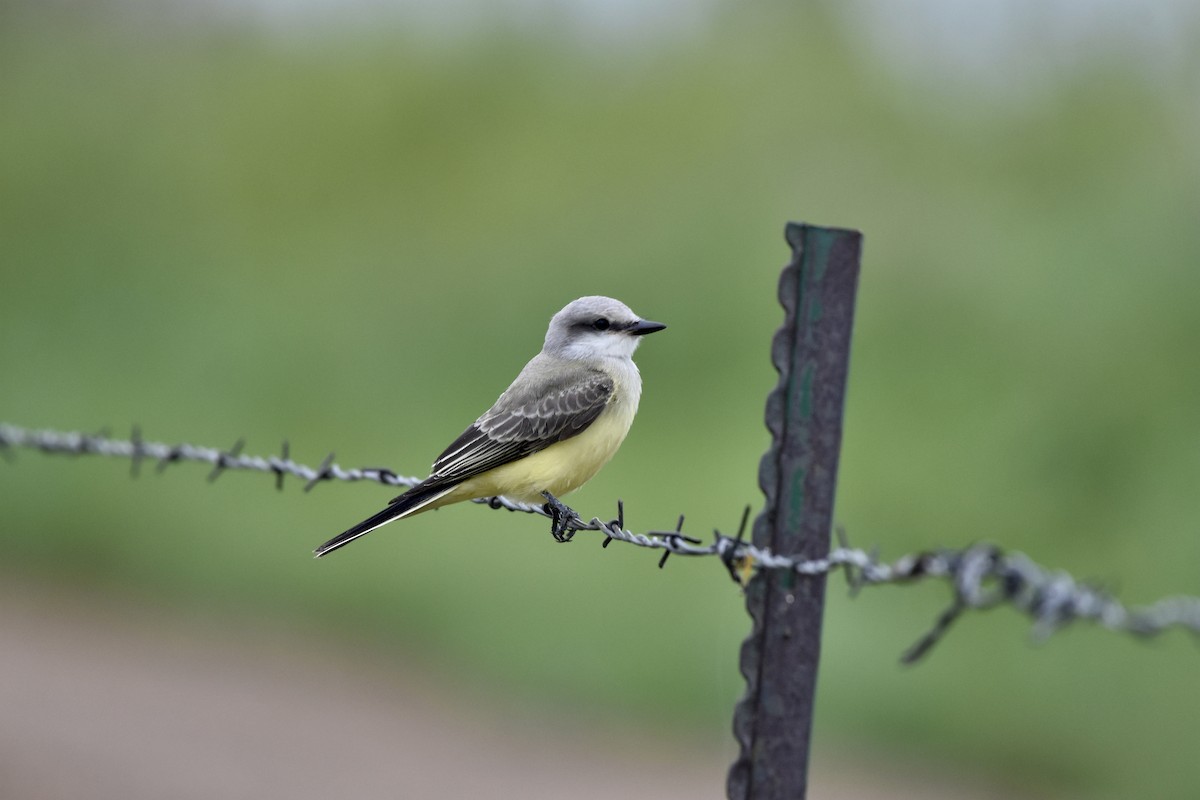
(596, 327)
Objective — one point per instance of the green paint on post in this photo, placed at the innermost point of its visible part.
(819, 243)
(807, 373)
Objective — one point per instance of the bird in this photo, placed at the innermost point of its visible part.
(550, 431)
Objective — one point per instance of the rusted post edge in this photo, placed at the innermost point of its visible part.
(798, 475)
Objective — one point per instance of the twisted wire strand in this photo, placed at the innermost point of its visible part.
(982, 576)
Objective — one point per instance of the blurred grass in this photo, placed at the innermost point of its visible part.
(354, 240)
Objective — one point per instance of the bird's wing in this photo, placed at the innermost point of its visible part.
(538, 410)
(515, 427)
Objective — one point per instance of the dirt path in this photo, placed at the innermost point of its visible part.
(101, 700)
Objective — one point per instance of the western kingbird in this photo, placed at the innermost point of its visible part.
(551, 431)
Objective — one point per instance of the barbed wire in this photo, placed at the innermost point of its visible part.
(982, 576)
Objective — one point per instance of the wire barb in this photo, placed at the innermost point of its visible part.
(618, 522)
(673, 540)
(223, 459)
(277, 465)
(981, 576)
(135, 441)
(737, 565)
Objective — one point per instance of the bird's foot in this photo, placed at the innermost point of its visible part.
(561, 518)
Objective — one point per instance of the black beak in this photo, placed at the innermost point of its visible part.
(644, 326)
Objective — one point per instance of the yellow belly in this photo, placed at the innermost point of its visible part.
(559, 469)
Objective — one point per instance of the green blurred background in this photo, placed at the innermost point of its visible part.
(349, 230)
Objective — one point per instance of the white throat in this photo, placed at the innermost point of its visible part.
(604, 346)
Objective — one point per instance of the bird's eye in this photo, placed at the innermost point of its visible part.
(601, 324)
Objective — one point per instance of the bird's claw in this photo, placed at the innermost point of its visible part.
(561, 517)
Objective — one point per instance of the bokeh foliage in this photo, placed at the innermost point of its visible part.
(353, 238)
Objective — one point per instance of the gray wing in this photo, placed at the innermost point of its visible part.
(530, 416)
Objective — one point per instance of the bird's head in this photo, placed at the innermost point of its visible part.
(596, 327)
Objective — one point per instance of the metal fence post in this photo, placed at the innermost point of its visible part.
(798, 475)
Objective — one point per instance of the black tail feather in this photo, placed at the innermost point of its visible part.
(401, 506)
